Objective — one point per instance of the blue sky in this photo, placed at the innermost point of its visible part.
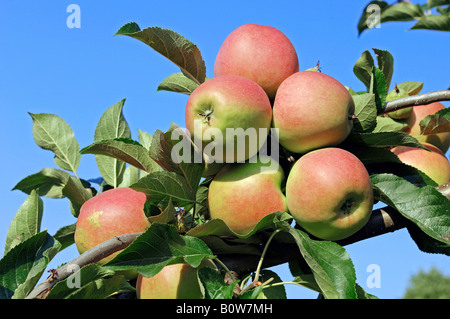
(78, 73)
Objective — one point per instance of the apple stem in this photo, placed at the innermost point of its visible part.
(258, 268)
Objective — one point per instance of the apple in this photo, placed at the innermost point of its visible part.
(403, 113)
(177, 281)
(440, 140)
(231, 117)
(432, 162)
(260, 53)
(111, 213)
(241, 194)
(329, 193)
(312, 110)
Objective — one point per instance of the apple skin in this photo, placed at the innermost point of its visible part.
(177, 281)
(242, 194)
(229, 101)
(111, 213)
(441, 140)
(329, 193)
(312, 110)
(432, 162)
(260, 53)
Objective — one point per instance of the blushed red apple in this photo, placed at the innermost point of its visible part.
(242, 194)
(224, 111)
(312, 110)
(260, 53)
(177, 281)
(110, 213)
(433, 162)
(329, 193)
(441, 140)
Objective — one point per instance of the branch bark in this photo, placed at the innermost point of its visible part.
(420, 99)
(382, 221)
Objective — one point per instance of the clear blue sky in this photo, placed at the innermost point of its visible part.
(46, 67)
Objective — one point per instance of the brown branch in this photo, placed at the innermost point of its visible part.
(420, 99)
(91, 256)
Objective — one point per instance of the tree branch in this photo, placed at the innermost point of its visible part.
(93, 255)
(420, 99)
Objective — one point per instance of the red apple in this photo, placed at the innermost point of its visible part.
(177, 281)
(260, 53)
(312, 110)
(231, 117)
(433, 162)
(441, 140)
(242, 194)
(111, 213)
(329, 193)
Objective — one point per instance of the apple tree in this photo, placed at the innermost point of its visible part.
(181, 230)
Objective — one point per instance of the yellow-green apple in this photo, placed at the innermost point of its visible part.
(441, 140)
(241, 194)
(230, 116)
(177, 281)
(403, 113)
(260, 53)
(329, 193)
(111, 213)
(432, 162)
(312, 110)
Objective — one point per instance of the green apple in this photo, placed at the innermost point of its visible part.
(242, 194)
(403, 113)
(230, 116)
(111, 213)
(329, 193)
(177, 281)
(312, 110)
(260, 53)
(432, 162)
(440, 140)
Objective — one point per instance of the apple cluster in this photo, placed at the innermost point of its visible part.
(257, 87)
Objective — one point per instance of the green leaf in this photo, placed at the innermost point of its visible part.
(173, 151)
(27, 221)
(363, 68)
(436, 123)
(124, 150)
(214, 285)
(145, 139)
(159, 246)
(65, 235)
(385, 62)
(435, 3)
(276, 292)
(370, 14)
(433, 22)
(52, 133)
(425, 206)
(384, 139)
(87, 283)
(179, 83)
(55, 183)
(379, 88)
(388, 124)
(23, 265)
(411, 87)
(365, 112)
(331, 265)
(111, 125)
(161, 186)
(173, 46)
(402, 12)
(218, 227)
